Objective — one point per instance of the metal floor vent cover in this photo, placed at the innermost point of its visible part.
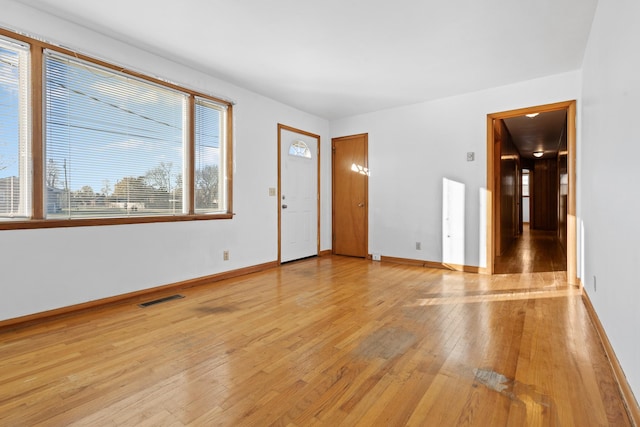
(160, 300)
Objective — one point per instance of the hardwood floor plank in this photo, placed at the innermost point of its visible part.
(532, 251)
(326, 341)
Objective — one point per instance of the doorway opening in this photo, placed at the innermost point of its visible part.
(540, 140)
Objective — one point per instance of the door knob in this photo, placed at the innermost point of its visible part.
(284, 206)
(361, 205)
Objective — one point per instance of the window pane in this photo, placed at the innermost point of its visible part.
(525, 184)
(114, 144)
(15, 153)
(210, 194)
(299, 149)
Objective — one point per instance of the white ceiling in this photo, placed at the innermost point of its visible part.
(336, 58)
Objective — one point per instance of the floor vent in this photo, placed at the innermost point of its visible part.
(160, 300)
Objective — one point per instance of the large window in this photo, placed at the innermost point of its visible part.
(115, 146)
(15, 159)
(209, 155)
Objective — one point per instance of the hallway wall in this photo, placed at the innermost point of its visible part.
(563, 190)
(608, 202)
(507, 160)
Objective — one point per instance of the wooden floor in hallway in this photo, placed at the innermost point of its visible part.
(328, 341)
(533, 251)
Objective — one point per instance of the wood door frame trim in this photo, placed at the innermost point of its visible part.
(366, 189)
(570, 108)
(282, 127)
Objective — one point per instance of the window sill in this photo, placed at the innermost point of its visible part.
(90, 222)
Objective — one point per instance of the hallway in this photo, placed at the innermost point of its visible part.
(534, 251)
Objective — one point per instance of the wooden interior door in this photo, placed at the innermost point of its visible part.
(350, 188)
(545, 195)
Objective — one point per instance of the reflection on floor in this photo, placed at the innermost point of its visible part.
(533, 252)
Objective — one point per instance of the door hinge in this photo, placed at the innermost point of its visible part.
(333, 149)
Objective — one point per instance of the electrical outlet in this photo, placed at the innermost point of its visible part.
(375, 257)
(418, 246)
(471, 156)
(225, 256)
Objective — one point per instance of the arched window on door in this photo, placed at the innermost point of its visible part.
(299, 148)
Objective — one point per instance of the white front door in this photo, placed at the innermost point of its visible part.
(298, 195)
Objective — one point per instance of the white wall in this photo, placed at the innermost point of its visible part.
(50, 268)
(609, 160)
(411, 150)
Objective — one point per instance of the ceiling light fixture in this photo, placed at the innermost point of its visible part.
(537, 154)
(532, 115)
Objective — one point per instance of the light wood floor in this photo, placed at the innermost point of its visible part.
(326, 341)
(534, 251)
